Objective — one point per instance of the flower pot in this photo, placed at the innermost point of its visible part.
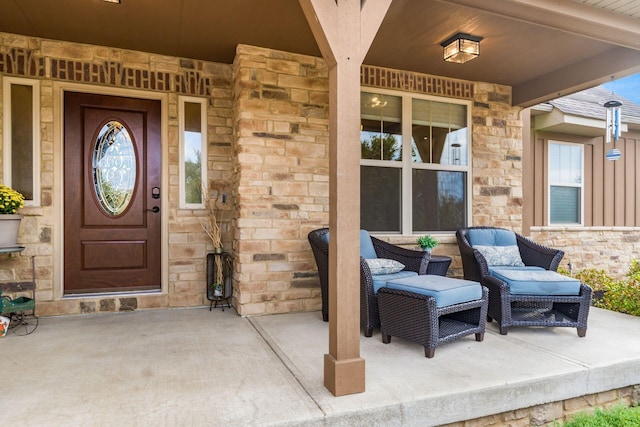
(9, 227)
(4, 325)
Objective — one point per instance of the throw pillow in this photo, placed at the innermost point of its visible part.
(384, 266)
(501, 255)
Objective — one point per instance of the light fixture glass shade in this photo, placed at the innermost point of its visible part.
(461, 48)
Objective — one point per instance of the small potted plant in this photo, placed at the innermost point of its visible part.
(427, 242)
(217, 289)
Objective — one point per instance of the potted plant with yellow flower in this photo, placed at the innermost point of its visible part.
(10, 201)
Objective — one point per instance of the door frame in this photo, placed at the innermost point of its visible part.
(59, 88)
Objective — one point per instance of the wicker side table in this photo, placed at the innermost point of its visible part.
(439, 265)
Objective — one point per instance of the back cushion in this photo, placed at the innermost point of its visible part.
(367, 250)
(491, 237)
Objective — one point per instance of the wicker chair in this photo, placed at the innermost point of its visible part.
(416, 261)
(525, 310)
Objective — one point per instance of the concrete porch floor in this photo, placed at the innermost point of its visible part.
(192, 367)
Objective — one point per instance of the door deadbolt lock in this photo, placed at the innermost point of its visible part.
(155, 193)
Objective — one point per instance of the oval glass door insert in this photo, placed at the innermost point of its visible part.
(114, 168)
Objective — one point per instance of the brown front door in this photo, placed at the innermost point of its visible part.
(112, 163)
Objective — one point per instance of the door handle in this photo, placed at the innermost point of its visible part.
(154, 209)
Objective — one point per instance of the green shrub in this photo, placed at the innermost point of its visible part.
(634, 270)
(618, 416)
(617, 295)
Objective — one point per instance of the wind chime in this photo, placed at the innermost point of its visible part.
(614, 124)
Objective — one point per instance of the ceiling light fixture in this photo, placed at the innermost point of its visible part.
(112, 1)
(461, 48)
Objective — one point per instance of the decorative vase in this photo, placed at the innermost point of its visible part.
(9, 227)
(218, 250)
(4, 325)
(427, 250)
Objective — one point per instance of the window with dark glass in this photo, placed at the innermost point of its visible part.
(414, 164)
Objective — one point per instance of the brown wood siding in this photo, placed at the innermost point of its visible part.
(629, 181)
(618, 187)
(611, 188)
(539, 162)
(608, 196)
(597, 190)
(528, 141)
(637, 182)
(588, 183)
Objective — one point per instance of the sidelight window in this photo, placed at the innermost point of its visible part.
(21, 101)
(193, 151)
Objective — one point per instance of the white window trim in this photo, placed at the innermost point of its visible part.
(203, 149)
(6, 101)
(407, 165)
(565, 184)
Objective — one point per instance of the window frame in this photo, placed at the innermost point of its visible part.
(407, 165)
(182, 100)
(7, 143)
(551, 183)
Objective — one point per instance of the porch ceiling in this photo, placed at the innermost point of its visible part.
(543, 48)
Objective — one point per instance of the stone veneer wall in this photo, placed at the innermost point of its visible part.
(604, 248)
(548, 413)
(281, 126)
(268, 136)
(52, 61)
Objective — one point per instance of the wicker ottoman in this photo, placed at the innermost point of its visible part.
(432, 310)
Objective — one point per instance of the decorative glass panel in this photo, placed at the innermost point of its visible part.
(438, 200)
(22, 139)
(380, 195)
(114, 168)
(381, 127)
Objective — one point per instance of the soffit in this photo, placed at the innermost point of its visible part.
(623, 7)
(543, 49)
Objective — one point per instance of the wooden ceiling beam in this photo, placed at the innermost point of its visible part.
(612, 64)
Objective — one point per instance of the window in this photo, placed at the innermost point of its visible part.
(193, 151)
(414, 163)
(565, 183)
(22, 137)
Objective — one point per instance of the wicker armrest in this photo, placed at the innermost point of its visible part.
(534, 254)
(413, 260)
(495, 285)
